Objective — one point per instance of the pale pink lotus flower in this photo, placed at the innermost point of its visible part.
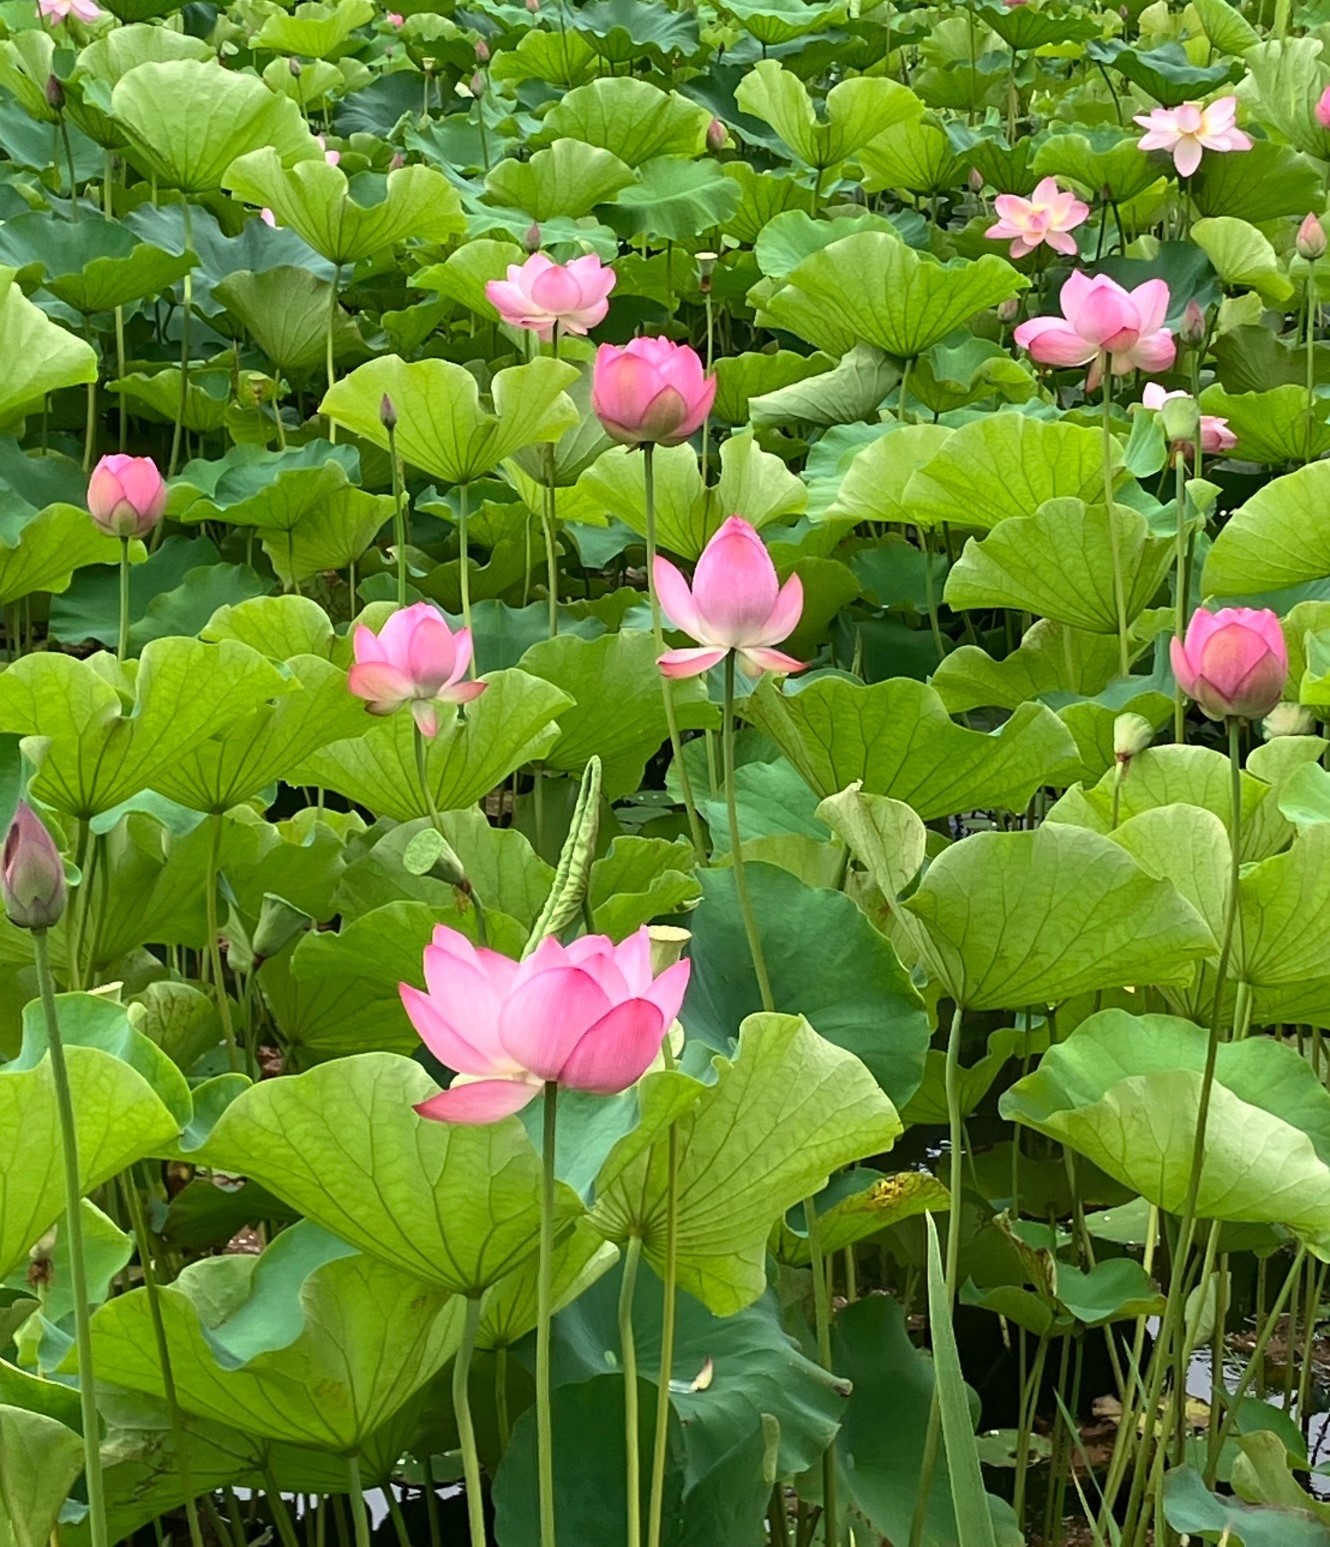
(588, 1016)
(541, 295)
(267, 217)
(1322, 109)
(126, 495)
(735, 603)
(1103, 324)
(415, 659)
(394, 18)
(1233, 662)
(1215, 433)
(1192, 129)
(650, 391)
(62, 10)
(1049, 215)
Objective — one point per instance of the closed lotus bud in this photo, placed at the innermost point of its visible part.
(387, 412)
(531, 241)
(716, 135)
(976, 180)
(55, 93)
(477, 87)
(533, 6)
(482, 51)
(279, 923)
(1132, 734)
(398, 161)
(295, 67)
(1182, 418)
(1192, 331)
(126, 495)
(1288, 720)
(32, 875)
(1009, 310)
(1322, 109)
(1311, 239)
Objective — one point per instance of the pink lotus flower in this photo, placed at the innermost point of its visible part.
(414, 659)
(1190, 130)
(1233, 662)
(1101, 324)
(1322, 109)
(126, 495)
(1215, 433)
(32, 874)
(735, 603)
(1048, 215)
(542, 295)
(62, 10)
(332, 157)
(650, 391)
(589, 1016)
(394, 18)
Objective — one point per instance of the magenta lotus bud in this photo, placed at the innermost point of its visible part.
(126, 495)
(1233, 663)
(1193, 329)
(1009, 310)
(1105, 327)
(1311, 239)
(540, 295)
(717, 134)
(1322, 109)
(735, 603)
(650, 390)
(387, 413)
(32, 876)
(415, 659)
(590, 1017)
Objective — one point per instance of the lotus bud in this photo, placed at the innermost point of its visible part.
(1182, 419)
(1288, 720)
(387, 413)
(295, 67)
(32, 874)
(1193, 329)
(1322, 109)
(533, 6)
(477, 86)
(1311, 239)
(532, 239)
(976, 180)
(398, 161)
(482, 51)
(667, 945)
(55, 94)
(716, 135)
(1132, 734)
(1008, 310)
(126, 495)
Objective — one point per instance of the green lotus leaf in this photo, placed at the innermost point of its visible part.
(1035, 29)
(1226, 27)
(463, 275)
(1242, 257)
(568, 178)
(511, 1307)
(1123, 1090)
(1287, 76)
(286, 311)
(42, 554)
(640, 879)
(513, 722)
(155, 395)
(850, 392)
(1190, 1507)
(856, 1206)
(42, 356)
(743, 377)
(104, 732)
(315, 30)
(311, 1343)
(785, 241)
(276, 626)
(858, 111)
(1266, 183)
(347, 219)
(1273, 425)
(632, 119)
(919, 158)
(873, 288)
(1015, 919)
(442, 427)
(773, 22)
(187, 121)
(454, 1206)
(898, 739)
(1284, 906)
(26, 64)
(91, 265)
(119, 51)
(1059, 562)
(1165, 73)
(676, 198)
(39, 1460)
(1279, 538)
(786, 1112)
(1098, 158)
(996, 467)
(562, 60)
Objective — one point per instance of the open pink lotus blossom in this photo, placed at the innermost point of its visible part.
(1233, 662)
(1190, 130)
(414, 659)
(1215, 433)
(62, 10)
(1049, 215)
(589, 1016)
(126, 495)
(1322, 109)
(542, 295)
(734, 603)
(650, 391)
(1103, 324)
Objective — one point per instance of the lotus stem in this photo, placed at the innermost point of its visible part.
(214, 946)
(822, 1317)
(466, 1429)
(359, 1512)
(463, 518)
(1119, 589)
(399, 515)
(736, 842)
(544, 1314)
(628, 1351)
(669, 1313)
(122, 637)
(1181, 586)
(185, 319)
(69, 1148)
(329, 361)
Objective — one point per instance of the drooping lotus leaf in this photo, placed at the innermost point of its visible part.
(786, 1112)
(568, 178)
(451, 1205)
(858, 111)
(311, 1343)
(898, 739)
(674, 198)
(287, 311)
(43, 553)
(1284, 904)
(102, 732)
(1104, 157)
(315, 29)
(1287, 77)
(918, 158)
(1279, 538)
(781, 21)
(442, 427)
(1007, 920)
(41, 356)
(1242, 257)
(187, 121)
(632, 119)
(856, 1206)
(1124, 1090)
(873, 288)
(26, 64)
(92, 265)
(347, 219)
